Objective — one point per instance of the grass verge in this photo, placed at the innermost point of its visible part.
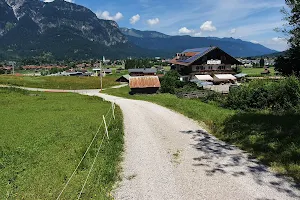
(60, 82)
(273, 139)
(256, 72)
(43, 137)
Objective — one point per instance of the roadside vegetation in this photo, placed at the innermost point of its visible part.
(58, 82)
(43, 137)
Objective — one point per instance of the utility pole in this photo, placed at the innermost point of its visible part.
(13, 64)
(100, 76)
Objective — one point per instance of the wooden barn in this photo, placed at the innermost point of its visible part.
(144, 84)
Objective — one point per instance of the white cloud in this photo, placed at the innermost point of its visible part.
(106, 15)
(254, 41)
(279, 40)
(277, 43)
(153, 21)
(197, 34)
(185, 30)
(134, 19)
(233, 31)
(208, 26)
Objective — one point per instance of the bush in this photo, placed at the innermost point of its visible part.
(170, 82)
(214, 97)
(186, 87)
(282, 96)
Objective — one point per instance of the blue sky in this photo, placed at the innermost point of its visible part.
(250, 20)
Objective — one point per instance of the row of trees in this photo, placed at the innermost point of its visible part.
(143, 63)
(290, 63)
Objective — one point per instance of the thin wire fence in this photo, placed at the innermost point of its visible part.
(112, 108)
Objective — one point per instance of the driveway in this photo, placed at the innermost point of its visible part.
(169, 156)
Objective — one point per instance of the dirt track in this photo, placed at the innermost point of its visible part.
(168, 156)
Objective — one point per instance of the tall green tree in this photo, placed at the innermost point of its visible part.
(262, 62)
(290, 64)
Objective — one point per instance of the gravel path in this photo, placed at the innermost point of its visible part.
(169, 156)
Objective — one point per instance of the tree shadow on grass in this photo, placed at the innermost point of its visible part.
(271, 138)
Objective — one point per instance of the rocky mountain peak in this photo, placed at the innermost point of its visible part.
(61, 15)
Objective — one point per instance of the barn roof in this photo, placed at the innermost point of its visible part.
(143, 70)
(191, 55)
(144, 82)
(127, 77)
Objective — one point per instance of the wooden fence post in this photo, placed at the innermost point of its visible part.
(106, 128)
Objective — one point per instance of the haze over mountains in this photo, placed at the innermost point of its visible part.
(31, 27)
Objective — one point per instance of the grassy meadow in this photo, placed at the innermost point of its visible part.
(252, 72)
(58, 82)
(42, 139)
(272, 138)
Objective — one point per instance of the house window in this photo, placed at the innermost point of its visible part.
(197, 67)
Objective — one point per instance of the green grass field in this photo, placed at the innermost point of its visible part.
(273, 139)
(257, 71)
(43, 137)
(59, 82)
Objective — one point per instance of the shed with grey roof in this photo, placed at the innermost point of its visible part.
(142, 72)
(124, 79)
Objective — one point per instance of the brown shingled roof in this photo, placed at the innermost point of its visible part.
(144, 82)
(190, 54)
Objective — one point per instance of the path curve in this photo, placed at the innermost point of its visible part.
(169, 156)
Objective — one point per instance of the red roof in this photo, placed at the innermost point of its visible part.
(144, 82)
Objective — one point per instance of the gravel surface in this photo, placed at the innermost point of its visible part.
(169, 156)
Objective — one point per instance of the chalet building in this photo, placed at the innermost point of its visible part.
(203, 61)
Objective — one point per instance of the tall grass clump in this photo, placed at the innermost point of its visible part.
(282, 96)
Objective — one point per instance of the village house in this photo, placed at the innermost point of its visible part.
(102, 72)
(203, 61)
(6, 69)
(42, 67)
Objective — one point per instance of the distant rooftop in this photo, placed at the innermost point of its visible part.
(143, 70)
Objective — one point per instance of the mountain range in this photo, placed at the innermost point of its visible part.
(67, 30)
(173, 44)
